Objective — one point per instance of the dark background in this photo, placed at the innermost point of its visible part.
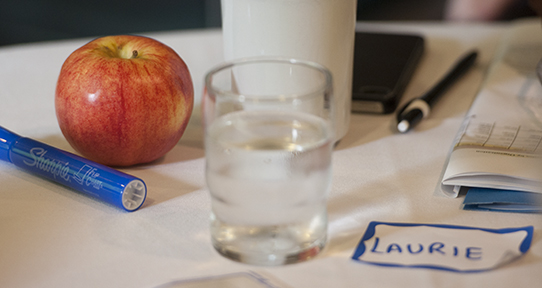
(24, 21)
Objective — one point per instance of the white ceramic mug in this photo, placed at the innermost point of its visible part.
(321, 31)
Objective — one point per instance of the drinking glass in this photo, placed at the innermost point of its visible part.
(268, 144)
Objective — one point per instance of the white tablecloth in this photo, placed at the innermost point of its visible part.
(51, 236)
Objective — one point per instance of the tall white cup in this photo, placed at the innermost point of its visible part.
(321, 31)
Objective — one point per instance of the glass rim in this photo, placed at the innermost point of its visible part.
(325, 87)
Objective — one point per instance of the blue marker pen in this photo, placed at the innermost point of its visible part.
(91, 178)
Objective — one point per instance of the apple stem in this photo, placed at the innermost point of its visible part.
(134, 54)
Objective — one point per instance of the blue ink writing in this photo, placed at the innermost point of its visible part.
(434, 248)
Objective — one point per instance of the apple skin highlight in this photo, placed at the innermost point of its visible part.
(123, 100)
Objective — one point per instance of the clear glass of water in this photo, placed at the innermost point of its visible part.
(268, 144)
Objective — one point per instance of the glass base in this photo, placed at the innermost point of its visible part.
(270, 251)
(271, 245)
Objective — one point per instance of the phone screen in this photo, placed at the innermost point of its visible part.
(383, 66)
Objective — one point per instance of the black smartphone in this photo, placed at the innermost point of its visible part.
(383, 66)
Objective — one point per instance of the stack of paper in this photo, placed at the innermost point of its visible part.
(499, 146)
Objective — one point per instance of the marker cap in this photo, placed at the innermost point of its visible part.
(7, 138)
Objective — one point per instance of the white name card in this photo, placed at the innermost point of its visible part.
(442, 247)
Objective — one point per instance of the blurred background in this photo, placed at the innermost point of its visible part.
(23, 21)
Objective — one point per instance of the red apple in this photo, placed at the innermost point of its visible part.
(123, 100)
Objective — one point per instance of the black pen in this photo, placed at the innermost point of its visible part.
(419, 108)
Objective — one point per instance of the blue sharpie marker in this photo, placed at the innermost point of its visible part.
(91, 178)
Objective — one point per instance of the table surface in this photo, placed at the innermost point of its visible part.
(51, 236)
